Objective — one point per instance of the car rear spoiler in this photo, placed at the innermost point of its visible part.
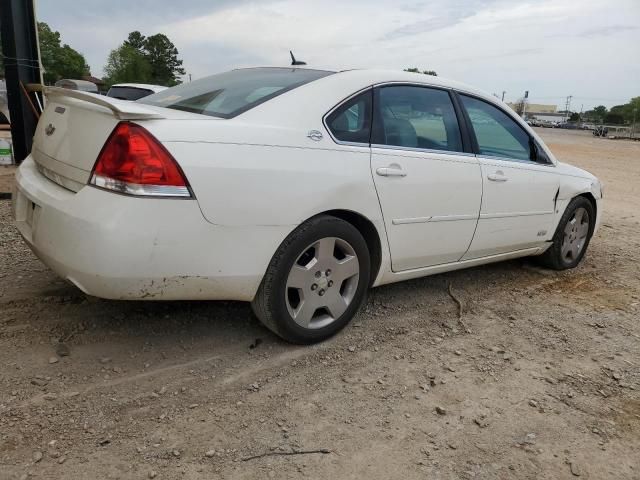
(122, 109)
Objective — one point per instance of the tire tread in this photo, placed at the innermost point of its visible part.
(552, 257)
(262, 304)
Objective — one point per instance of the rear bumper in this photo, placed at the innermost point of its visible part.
(119, 247)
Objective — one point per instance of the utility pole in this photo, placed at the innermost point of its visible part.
(189, 78)
(580, 116)
(503, 92)
(567, 105)
(524, 104)
(21, 66)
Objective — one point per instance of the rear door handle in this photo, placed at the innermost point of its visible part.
(497, 177)
(393, 170)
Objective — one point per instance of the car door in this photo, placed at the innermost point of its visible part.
(520, 185)
(428, 186)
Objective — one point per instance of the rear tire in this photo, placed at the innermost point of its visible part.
(572, 236)
(316, 281)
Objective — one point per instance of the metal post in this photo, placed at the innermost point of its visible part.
(524, 105)
(21, 65)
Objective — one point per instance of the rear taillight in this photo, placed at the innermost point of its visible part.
(134, 162)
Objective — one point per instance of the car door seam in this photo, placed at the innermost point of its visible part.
(479, 163)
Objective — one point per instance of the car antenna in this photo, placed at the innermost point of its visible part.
(294, 61)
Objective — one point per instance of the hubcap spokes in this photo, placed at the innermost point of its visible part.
(575, 235)
(322, 282)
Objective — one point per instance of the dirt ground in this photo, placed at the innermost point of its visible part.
(545, 385)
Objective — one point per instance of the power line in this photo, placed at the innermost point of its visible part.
(19, 59)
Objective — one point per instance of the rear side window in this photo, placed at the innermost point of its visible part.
(232, 93)
(351, 121)
(416, 117)
(498, 135)
(128, 93)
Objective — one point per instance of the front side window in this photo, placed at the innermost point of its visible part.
(351, 121)
(498, 135)
(416, 117)
(231, 93)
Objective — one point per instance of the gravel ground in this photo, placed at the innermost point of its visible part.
(542, 380)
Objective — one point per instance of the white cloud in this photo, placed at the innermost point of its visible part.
(553, 48)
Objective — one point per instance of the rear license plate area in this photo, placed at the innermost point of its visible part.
(26, 212)
(30, 212)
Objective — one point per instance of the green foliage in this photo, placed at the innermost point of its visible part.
(612, 118)
(59, 61)
(425, 72)
(600, 111)
(126, 64)
(617, 115)
(597, 114)
(574, 117)
(143, 59)
(136, 40)
(163, 57)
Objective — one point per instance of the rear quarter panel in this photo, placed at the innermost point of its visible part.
(252, 184)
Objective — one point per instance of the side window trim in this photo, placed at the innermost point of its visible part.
(463, 129)
(476, 149)
(470, 133)
(339, 105)
(469, 143)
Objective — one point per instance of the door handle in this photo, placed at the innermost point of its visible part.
(393, 170)
(497, 177)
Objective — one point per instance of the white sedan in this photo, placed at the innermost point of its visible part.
(295, 189)
(133, 91)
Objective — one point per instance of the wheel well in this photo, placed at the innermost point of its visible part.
(368, 232)
(589, 196)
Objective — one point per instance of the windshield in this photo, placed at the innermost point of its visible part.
(128, 93)
(232, 93)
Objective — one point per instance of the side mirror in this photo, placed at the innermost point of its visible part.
(537, 153)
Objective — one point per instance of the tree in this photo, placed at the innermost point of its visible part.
(574, 117)
(136, 40)
(162, 55)
(597, 114)
(126, 64)
(59, 61)
(425, 72)
(143, 59)
(613, 118)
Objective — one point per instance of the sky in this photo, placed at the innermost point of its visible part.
(589, 49)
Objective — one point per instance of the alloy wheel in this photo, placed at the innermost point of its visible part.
(322, 282)
(576, 232)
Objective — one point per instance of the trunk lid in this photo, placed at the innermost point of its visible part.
(75, 126)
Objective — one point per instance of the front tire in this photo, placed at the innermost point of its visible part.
(316, 281)
(572, 236)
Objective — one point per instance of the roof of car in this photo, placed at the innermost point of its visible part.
(379, 75)
(145, 86)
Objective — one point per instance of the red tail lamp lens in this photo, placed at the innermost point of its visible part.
(133, 161)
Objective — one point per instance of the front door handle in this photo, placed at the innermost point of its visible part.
(393, 170)
(497, 177)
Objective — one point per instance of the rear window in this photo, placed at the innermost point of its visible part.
(232, 93)
(128, 93)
